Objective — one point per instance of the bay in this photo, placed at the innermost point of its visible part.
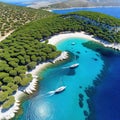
(65, 105)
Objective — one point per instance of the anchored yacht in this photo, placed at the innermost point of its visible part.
(60, 89)
(74, 66)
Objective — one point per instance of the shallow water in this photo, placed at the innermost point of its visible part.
(65, 105)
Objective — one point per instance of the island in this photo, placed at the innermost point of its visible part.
(32, 44)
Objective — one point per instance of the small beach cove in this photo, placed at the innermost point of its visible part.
(69, 103)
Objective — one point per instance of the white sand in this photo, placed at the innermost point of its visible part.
(32, 86)
(57, 38)
(63, 56)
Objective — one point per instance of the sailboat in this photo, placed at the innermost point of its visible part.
(74, 65)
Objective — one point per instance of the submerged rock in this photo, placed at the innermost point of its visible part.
(81, 98)
(78, 52)
(86, 113)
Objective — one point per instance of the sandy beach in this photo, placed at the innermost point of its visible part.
(57, 38)
(64, 55)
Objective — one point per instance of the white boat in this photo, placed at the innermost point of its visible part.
(74, 65)
(60, 89)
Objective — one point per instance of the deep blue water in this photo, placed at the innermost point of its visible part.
(107, 97)
(113, 11)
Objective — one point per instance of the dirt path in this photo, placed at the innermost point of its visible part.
(3, 37)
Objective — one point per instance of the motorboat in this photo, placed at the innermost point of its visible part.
(74, 66)
(60, 89)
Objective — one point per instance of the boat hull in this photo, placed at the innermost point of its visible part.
(74, 66)
(59, 90)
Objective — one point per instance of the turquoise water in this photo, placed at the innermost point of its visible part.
(105, 100)
(65, 106)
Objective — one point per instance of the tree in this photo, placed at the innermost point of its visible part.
(13, 86)
(13, 64)
(3, 96)
(21, 69)
(7, 89)
(31, 65)
(7, 79)
(25, 81)
(0, 83)
(13, 73)
(17, 80)
(9, 102)
(3, 75)
(34, 58)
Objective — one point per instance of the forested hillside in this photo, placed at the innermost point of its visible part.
(12, 17)
(104, 26)
(100, 18)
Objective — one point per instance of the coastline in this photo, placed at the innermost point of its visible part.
(54, 40)
(51, 10)
(57, 38)
(29, 89)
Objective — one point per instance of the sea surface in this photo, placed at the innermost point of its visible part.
(66, 105)
(113, 11)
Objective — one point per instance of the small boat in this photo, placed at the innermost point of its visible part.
(74, 66)
(60, 89)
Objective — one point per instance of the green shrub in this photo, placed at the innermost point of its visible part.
(9, 102)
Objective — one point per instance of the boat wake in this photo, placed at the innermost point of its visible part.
(66, 67)
(51, 93)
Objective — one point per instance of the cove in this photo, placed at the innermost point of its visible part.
(66, 105)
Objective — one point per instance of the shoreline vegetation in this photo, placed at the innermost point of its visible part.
(30, 88)
(64, 55)
(33, 44)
